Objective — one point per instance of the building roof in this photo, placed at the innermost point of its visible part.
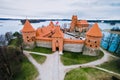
(38, 32)
(27, 27)
(51, 24)
(58, 33)
(83, 22)
(94, 31)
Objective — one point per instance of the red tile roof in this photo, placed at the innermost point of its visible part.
(27, 27)
(83, 22)
(58, 33)
(51, 24)
(94, 31)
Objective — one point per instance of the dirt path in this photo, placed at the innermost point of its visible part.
(53, 69)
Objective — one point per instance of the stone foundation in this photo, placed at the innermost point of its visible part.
(90, 51)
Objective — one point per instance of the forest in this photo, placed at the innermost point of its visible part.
(111, 42)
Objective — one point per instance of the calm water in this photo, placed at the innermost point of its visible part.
(15, 25)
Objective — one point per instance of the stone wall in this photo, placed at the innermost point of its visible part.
(73, 47)
(46, 44)
(29, 45)
(89, 51)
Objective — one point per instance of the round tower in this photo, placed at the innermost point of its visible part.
(93, 39)
(28, 34)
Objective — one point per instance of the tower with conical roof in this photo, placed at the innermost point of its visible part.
(93, 39)
(28, 34)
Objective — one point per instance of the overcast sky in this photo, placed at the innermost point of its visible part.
(85, 9)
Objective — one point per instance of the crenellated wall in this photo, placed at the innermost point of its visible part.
(73, 45)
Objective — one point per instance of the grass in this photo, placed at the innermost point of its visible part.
(41, 50)
(13, 42)
(70, 58)
(112, 65)
(27, 72)
(40, 59)
(87, 74)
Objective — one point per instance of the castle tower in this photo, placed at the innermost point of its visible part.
(93, 38)
(28, 34)
(57, 40)
(73, 23)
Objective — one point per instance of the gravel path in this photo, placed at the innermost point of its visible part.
(53, 69)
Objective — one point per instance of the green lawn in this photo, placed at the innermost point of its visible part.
(41, 50)
(70, 58)
(39, 58)
(27, 72)
(113, 65)
(87, 74)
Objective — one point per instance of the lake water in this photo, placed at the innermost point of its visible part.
(15, 25)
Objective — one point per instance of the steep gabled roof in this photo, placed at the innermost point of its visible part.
(51, 23)
(58, 33)
(38, 32)
(51, 26)
(83, 22)
(94, 31)
(27, 27)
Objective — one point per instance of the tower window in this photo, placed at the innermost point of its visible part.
(88, 40)
(27, 37)
(96, 46)
(90, 45)
(57, 41)
(28, 40)
(95, 41)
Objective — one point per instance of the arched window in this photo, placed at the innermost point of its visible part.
(27, 37)
(96, 46)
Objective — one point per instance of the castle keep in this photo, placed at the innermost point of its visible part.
(52, 36)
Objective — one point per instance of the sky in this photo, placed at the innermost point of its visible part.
(84, 9)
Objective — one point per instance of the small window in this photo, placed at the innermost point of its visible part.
(90, 45)
(27, 37)
(57, 41)
(95, 41)
(96, 46)
(28, 40)
(88, 40)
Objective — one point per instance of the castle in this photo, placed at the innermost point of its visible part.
(52, 36)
